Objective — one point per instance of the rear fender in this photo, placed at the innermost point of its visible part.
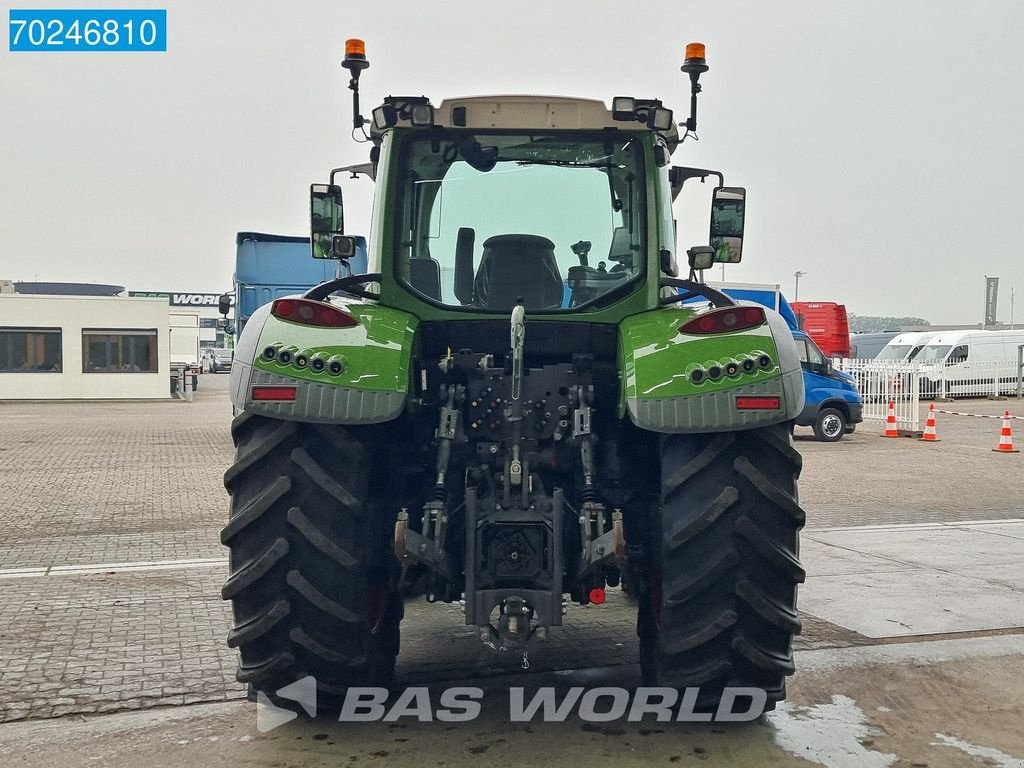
(658, 361)
(375, 356)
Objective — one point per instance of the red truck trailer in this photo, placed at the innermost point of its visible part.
(826, 323)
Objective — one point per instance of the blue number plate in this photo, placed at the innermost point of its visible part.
(87, 30)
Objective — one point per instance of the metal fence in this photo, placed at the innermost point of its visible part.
(989, 379)
(884, 382)
(906, 384)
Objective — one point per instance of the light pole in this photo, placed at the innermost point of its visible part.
(796, 287)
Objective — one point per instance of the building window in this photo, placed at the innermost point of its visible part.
(30, 350)
(119, 351)
(208, 322)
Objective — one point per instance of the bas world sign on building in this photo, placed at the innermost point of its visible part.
(182, 299)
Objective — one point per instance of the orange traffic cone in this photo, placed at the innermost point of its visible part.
(929, 435)
(890, 422)
(1005, 437)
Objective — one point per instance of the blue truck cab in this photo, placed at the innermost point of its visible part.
(833, 405)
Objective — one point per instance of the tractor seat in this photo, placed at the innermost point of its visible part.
(514, 266)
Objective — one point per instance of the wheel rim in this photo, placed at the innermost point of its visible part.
(831, 425)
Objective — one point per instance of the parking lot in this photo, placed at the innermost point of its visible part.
(111, 566)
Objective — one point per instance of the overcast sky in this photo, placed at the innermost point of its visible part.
(880, 142)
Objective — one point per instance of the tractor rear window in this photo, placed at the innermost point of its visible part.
(489, 218)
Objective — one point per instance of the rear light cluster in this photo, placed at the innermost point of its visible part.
(724, 321)
(732, 369)
(310, 312)
(304, 358)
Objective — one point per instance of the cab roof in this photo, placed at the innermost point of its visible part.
(534, 111)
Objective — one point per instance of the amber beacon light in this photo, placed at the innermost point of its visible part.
(356, 49)
(355, 62)
(695, 51)
(694, 64)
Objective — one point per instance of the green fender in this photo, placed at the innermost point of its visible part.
(375, 357)
(657, 362)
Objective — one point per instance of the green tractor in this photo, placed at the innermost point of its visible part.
(520, 405)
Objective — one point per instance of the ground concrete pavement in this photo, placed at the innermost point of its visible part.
(110, 567)
(939, 704)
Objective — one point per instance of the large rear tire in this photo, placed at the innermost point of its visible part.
(719, 608)
(309, 571)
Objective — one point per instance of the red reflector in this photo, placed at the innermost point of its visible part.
(273, 393)
(758, 403)
(725, 320)
(310, 312)
(597, 596)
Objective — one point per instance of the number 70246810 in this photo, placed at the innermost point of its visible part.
(87, 30)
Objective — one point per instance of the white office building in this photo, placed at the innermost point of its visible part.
(83, 347)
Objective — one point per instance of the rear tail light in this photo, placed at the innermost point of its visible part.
(725, 320)
(310, 312)
(758, 402)
(273, 393)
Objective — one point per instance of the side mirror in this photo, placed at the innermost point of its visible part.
(326, 219)
(224, 304)
(727, 215)
(700, 257)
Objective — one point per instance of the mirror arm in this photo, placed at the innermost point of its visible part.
(365, 169)
(345, 284)
(680, 174)
(678, 297)
(717, 298)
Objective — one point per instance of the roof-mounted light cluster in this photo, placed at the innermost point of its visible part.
(417, 110)
(647, 111)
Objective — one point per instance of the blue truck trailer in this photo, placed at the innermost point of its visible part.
(833, 406)
(270, 266)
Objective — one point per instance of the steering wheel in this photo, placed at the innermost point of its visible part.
(693, 289)
(345, 285)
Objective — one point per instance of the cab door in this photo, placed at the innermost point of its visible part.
(817, 382)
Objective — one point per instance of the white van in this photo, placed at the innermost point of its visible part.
(864, 346)
(970, 362)
(905, 347)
